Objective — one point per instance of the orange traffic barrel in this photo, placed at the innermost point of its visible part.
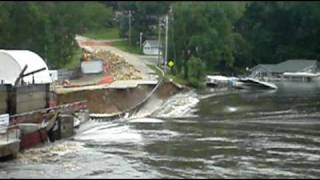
(106, 79)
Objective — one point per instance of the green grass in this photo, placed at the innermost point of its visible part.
(156, 70)
(107, 33)
(75, 60)
(124, 45)
(178, 79)
(113, 33)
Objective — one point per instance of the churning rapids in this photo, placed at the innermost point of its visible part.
(234, 134)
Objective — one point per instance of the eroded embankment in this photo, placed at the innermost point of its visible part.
(113, 101)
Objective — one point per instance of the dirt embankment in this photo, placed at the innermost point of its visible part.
(110, 101)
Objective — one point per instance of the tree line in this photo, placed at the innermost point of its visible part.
(48, 28)
(227, 37)
(204, 37)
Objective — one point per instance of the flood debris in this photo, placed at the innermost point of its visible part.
(117, 66)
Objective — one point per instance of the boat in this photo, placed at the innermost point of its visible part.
(216, 80)
(32, 134)
(250, 83)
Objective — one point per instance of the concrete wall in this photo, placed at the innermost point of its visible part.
(4, 95)
(66, 125)
(107, 100)
(29, 98)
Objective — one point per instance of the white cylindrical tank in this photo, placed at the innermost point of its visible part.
(13, 61)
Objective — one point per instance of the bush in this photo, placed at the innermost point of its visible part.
(196, 72)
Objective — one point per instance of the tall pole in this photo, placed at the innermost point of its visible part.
(130, 27)
(140, 40)
(166, 54)
(159, 41)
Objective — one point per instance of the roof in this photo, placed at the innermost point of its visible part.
(152, 43)
(293, 65)
(13, 61)
(266, 67)
(301, 74)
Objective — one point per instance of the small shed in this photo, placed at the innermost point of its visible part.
(13, 61)
(152, 47)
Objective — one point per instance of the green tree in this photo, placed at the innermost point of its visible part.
(49, 28)
(276, 31)
(196, 73)
(205, 30)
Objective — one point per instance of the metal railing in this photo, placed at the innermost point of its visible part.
(27, 116)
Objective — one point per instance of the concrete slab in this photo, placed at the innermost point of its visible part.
(121, 84)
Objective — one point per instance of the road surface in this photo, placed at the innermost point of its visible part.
(138, 61)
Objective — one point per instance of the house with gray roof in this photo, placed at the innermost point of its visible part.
(152, 47)
(289, 66)
(296, 65)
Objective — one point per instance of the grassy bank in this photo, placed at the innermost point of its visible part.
(75, 60)
(113, 33)
(178, 79)
(168, 77)
(108, 33)
(156, 70)
(124, 46)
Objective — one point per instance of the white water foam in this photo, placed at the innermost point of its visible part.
(179, 105)
(145, 120)
(118, 134)
(231, 109)
(217, 139)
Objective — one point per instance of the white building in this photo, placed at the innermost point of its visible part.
(13, 61)
(151, 47)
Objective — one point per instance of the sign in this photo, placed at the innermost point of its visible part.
(92, 67)
(171, 64)
(4, 122)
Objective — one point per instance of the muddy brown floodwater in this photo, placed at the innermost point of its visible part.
(235, 134)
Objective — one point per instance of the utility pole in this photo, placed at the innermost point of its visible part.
(141, 40)
(159, 41)
(166, 53)
(129, 27)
